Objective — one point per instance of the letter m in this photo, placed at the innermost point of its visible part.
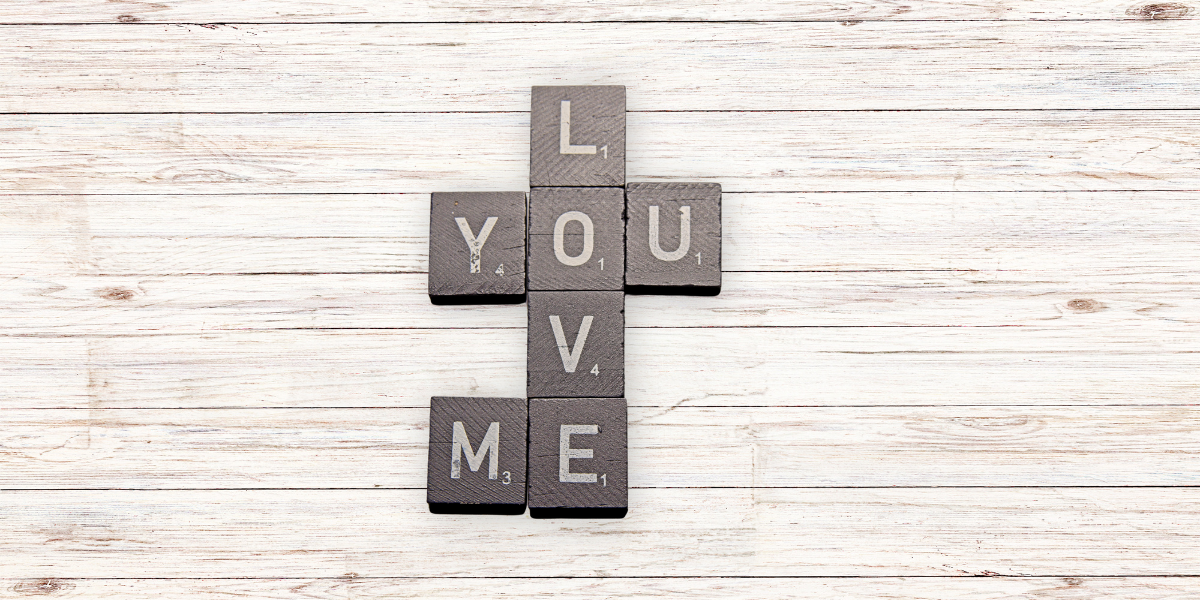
(490, 446)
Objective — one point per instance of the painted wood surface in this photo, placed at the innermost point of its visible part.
(985, 587)
(691, 447)
(821, 366)
(954, 357)
(743, 151)
(697, 66)
(1147, 237)
(112, 305)
(343, 11)
(673, 532)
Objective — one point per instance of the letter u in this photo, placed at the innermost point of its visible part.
(685, 235)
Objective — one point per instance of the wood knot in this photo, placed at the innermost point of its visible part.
(1083, 305)
(115, 294)
(127, 19)
(1160, 10)
(43, 587)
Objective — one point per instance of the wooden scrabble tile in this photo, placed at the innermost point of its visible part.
(576, 239)
(477, 455)
(577, 136)
(673, 238)
(578, 457)
(476, 247)
(576, 345)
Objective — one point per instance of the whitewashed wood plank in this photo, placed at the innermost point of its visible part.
(669, 532)
(697, 66)
(744, 151)
(681, 447)
(46, 372)
(214, 234)
(191, 304)
(400, 368)
(109, 306)
(908, 299)
(1154, 363)
(48, 235)
(1130, 233)
(962, 366)
(275, 11)
(1079, 232)
(991, 587)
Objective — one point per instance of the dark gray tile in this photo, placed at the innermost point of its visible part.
(576, 345)
(485, 470)
(458, 220)
(665, 260)
(578, 457)
(593, 154)
(562, 254)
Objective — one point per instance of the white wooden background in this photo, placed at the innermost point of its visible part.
(956, 354)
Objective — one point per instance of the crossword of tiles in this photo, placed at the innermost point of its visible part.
(572, 248)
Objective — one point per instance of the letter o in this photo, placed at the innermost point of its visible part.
(589, 234)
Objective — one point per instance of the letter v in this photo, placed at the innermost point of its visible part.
(570, 357)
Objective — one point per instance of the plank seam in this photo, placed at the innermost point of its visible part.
(632, 487)
(592, 22)
(507, 112)
(603, 577)
(725, 192)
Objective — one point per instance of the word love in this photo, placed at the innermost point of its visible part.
(573, 247)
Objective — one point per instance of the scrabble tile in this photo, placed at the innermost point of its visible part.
(477, 455)
(576, 239)
(659, 257)
(576, 345)
(577, 136)
(578, 457)
(476, 247)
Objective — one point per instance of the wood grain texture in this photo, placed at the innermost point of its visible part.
(453, 484)
(476, 246)
(955, 355)
(129, 305)
(595, 113)
(822, 366)
(989, 587)
(598, 451)
(756, 151)
(1144, 236)
(673, 237)
(601, 239)
(892, 532)
(402, 368)
(751, 447)
(696, 67)
(276, 11)
(590, 331)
